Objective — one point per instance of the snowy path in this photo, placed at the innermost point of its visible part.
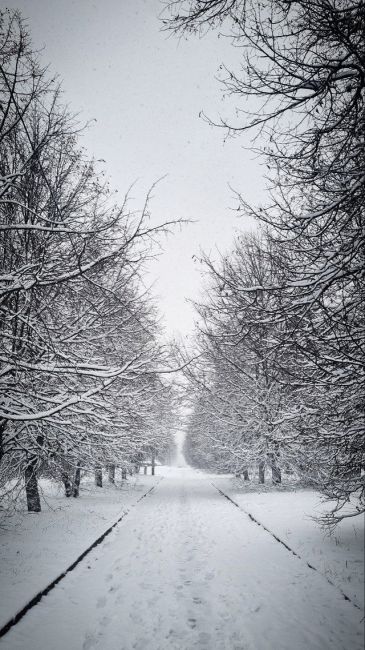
(185, 569)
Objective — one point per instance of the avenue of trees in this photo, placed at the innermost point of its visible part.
(81, 380)
(280, 374)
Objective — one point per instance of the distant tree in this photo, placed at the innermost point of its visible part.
(240, 381)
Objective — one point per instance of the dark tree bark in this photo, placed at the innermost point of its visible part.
(98, 476)
(68, 484)
(275, 469)
(31, 486)
(111, 474)
(153, 462)
(243, 472)
(2, 429)
(77, 479)
(276, 473)
(124, 474)
(262, 472)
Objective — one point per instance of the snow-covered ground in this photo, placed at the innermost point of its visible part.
(289, 515)
(184, 569)
(36, 548)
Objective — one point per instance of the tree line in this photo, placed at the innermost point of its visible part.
(82, 363)
(280, 372)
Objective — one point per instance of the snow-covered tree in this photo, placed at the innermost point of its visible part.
(79, 343)
(239, 374)
(300, 87)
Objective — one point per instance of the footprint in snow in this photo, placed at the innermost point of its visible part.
(101, 602)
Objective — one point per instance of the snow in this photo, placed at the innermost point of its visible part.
(184, 569)
(36, 547)
(339, 556)
(179, 440)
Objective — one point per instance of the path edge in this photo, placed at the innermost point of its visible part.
(287, 547)
(37, 598)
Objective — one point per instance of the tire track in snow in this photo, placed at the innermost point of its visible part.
(288, 548)
(37, 598)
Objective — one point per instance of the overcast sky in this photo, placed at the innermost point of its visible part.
(145, 90)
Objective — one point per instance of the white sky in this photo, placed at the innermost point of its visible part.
(145, 90)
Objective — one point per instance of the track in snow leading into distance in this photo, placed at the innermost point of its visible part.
(185, 570)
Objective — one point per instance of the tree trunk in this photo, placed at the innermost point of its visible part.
(276, 473)
(145, 469)
(31, 486)
(261, 472)
(246, 475)
(275, 469)
(98, 476)
(124, 474)
(2, 429)
(77, 479)
(68, 484)
(111, 474)
(153, 462)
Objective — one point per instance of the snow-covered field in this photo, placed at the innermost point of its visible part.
(184, 569)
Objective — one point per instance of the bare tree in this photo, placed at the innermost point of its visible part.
(79, 338)
(241, 384)
(303, 72)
